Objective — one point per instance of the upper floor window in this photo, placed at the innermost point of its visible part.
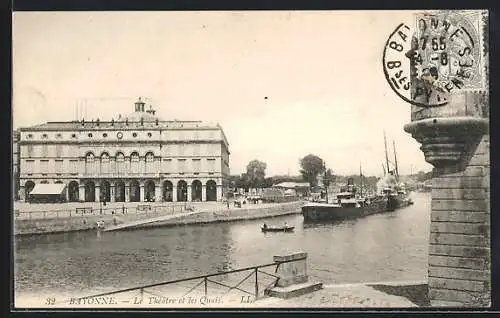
(120, 157)
(73, 135)
(150, 134)
(134, 156)
(90, 135)
(134, 135)
(105, 157)
(89, 157)
(30, 136)
(105, 135)
(59, 136)
(45, 136)
(150, 157)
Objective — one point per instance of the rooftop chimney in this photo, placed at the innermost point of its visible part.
(150, 110)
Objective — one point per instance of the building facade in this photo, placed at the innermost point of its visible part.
(15, 163)
(134, 158)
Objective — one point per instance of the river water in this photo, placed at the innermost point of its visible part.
(384, 247)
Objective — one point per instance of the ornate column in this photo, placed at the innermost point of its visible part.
(455, 140)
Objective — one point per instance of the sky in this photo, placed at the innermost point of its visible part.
(282, 84)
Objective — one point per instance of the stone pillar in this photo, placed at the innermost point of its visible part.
(293, 280)
(66, 192)
(455, 140)
(97, 193)
(189, 193)
(127, 192)
(174, 193)
(81, 192)
(294, 271)
(141, 192)
(219, 192)
(112, 193)
(203, 193)
(158, 193)
(22, 194)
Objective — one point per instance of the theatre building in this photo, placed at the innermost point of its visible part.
(134, 158)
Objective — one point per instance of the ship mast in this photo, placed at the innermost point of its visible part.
(361, 177)
(395, 161)
(386, 157)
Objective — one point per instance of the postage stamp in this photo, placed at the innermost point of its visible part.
(442, 53)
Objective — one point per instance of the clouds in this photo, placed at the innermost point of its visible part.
(320, 71)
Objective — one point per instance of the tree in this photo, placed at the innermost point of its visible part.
(329, 177)
(256, 173)
(421, 176)
(312, 166)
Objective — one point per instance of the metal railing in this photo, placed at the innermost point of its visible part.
(143, 209)
(207, 282)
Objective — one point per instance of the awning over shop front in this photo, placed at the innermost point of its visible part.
(48, 189)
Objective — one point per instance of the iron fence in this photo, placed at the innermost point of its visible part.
(207, 282)
(144, 209)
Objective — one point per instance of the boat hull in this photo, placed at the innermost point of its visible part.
(397, 202)
(330, 212)
(287, 229)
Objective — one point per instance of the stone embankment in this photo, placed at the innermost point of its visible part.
(204, 214)
(252, 212)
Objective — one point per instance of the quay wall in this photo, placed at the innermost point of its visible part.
(89, 222)
(230, 215)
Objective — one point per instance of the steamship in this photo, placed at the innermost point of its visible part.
(390, 196)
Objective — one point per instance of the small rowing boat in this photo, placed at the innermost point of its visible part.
(278, 228)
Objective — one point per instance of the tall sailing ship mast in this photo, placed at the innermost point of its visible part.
(396, 172)
(386, 157)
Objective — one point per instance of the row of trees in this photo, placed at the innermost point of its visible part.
(312, 169)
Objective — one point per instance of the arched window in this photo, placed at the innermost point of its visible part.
(89, 157)
(120, 157)
(150, 158)
(105, 163)
(90, 165)
(120, 162)
(134, 156)
(134, 162)
(104, 157)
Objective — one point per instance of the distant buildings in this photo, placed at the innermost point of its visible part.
(133, 158)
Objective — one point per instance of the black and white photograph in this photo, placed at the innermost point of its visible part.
(250, 159)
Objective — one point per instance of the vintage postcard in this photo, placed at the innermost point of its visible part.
(251, 159)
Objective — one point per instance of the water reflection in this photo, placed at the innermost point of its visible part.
(390, 246)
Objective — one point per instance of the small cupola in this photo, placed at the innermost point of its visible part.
(139, 105)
